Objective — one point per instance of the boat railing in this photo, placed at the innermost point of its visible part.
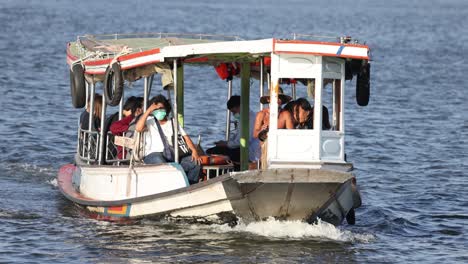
(88, 148)
(341, 39)
(88, 145)
(160, 35)
(113, 150)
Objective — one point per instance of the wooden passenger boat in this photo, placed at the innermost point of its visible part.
(304, 173)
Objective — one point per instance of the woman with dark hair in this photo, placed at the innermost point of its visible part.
(303, 114)
(132, 108)
(159, 132)
(96, 112)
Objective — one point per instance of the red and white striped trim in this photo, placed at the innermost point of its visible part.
(353, 51)
(126, 61)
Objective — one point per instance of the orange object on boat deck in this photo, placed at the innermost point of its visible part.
(215, 159)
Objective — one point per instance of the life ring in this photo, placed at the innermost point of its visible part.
(113, 84)
(77, 85)
(363, 85)
(215, 159)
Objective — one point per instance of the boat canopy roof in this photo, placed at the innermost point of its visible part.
(141, 52)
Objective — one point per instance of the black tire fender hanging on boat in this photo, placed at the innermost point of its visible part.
(77, 85)
(348, 71)
(351, 217)
(363, 85)
(113, 84)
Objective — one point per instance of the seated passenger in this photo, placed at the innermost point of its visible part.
(262, 120)
(132, 108)
(231, 147)
(126, 111)
(290, 108)
(303, 114)
(84, 118)
(159, 133)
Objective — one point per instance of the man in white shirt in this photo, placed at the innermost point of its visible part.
(231, 147)
(159, 135)
(153, 141)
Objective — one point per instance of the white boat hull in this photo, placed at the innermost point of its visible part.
(288, 194)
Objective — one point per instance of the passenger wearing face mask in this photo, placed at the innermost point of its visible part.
(231, 147)
(158, 111)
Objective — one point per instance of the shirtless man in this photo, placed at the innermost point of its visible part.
(262, 120)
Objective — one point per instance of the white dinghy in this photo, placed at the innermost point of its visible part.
(304, 174)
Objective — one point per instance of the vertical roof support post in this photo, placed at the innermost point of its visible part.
(342, 109)
(169, 94)
(180, 94)
(102, 136)
(150, 83)
(318, 111)
(121, 105)
(268, 81)
(145, 93)
(87, 94)
(91, 117)
(91, 107)
(335, 90)
(228, 113)
(176, 113)
(293, 91)
(262, 92)
(244, 121)
(274, 110)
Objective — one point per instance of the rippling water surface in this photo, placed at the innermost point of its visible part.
(409, 146)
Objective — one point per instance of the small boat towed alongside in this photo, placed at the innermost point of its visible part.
(304, 173)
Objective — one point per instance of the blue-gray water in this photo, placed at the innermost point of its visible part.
(409, 146)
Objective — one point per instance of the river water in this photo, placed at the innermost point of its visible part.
(409, 146)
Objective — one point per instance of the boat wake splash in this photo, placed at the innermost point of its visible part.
(295, 230)
(53, 182)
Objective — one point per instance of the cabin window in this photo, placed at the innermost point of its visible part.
(300, 89)
(331, 101)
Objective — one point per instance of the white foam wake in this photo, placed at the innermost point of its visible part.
(53, 182)
(295, 230)
(31, 169)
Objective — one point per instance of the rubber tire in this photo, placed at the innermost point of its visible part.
(363, 85)
(351, 217)
(113, 84)
(77, 86)
(348, 71)
(352, 68)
